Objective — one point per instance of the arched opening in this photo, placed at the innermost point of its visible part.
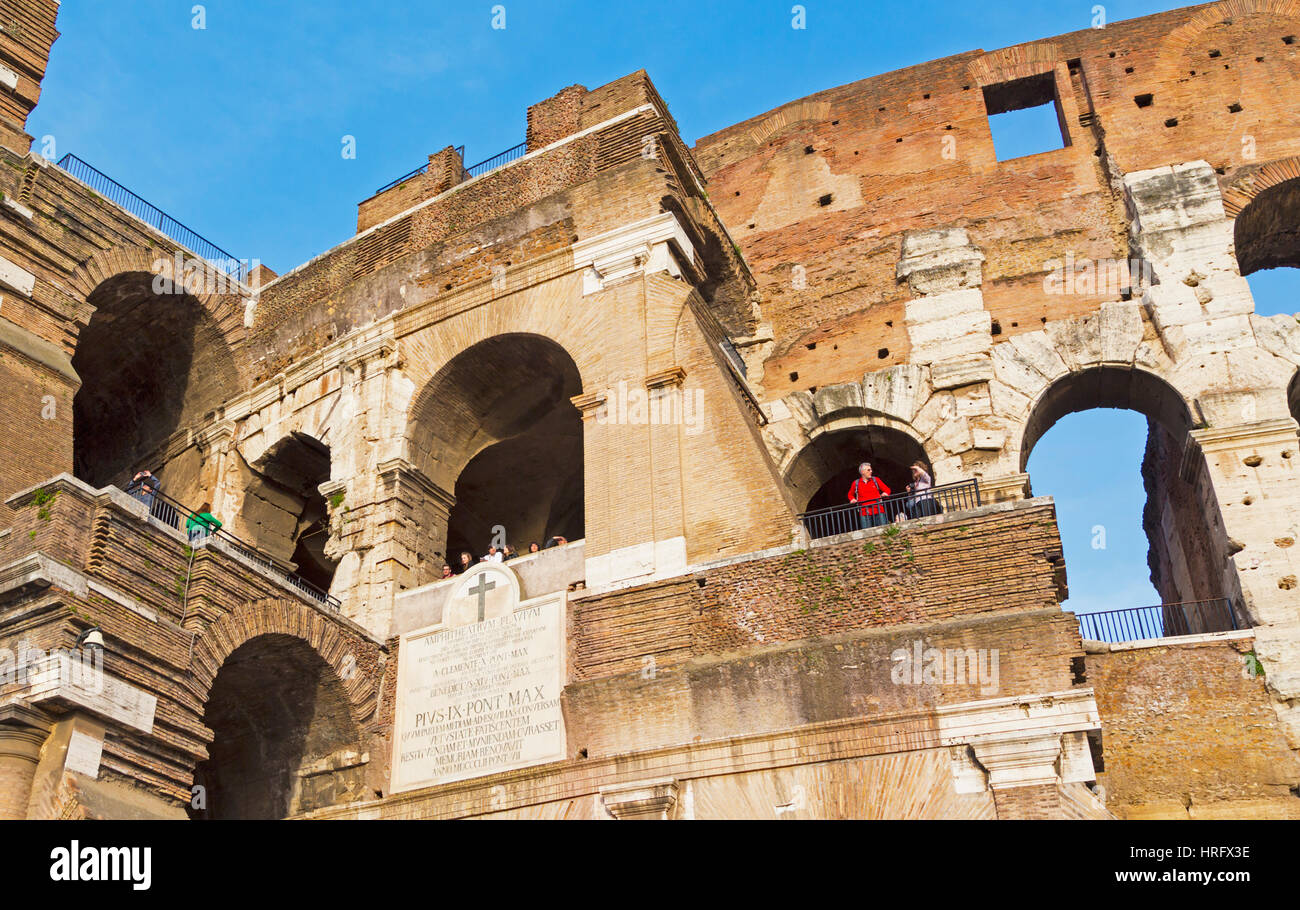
(1266, 235)
(821, 474)
(1293, 395)
(284, 739)
(1119, 475)
(149, 365)
(284, 513)
(497, 428)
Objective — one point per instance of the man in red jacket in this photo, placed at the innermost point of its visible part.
(868, 490)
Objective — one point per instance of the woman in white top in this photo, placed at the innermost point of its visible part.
(921, 503)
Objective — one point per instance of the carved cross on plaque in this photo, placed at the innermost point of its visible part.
(481, 587)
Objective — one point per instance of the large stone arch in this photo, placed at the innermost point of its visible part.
(1266, 234)
(498, 421)
(154, 360)
(225, 309)
(1106, 386)
(357, 660)
(829, 461)
(290, 698)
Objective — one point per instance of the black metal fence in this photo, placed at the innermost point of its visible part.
(950, 497)
(171, 513)
(155, 217)
(1193, 617)
(491, 164)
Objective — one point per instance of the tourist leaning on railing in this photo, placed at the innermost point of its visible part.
(921, 503)
(143, 487)
(201, 523)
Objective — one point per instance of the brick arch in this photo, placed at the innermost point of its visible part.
(790, 116)
(357, 661)
(225, 310)
(1012, 63)
(1247, 184)
(1169, 65)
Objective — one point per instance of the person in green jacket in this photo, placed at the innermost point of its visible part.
(201, 523)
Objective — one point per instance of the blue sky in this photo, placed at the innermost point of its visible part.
(237, 129)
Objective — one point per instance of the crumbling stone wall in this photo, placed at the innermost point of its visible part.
(1159, 759)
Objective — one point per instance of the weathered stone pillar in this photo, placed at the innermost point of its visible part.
(23, 731)
(1253, 470)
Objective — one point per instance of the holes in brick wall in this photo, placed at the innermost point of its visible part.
(835, 123)
(1079, 667)
(899, 139)
(1111, 55)
(1025, 117)
(1234, 108)
(882, 110)
(1214, 55)
(807, 149)
(824, 201)
(1288, 39)
(1171, 122)
(996, 328)
(882, 353)
(812, 346)
(737, 192)
(889, 323)
(1259, 59)
(926, 96)
(1015, 325)
(1145, 100)
(794, 377)
(948, 127)
(1128, 70)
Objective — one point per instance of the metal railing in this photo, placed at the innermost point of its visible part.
(491, 164)
(422, 169)
(170, 512)
(1193, 617)
(841, 519)
(475, 170)
(153, 216)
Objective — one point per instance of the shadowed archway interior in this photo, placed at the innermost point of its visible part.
(149, 364)
(282, 727)
(284, 512)
(496, 427)
(1267, 231)
(823, 472)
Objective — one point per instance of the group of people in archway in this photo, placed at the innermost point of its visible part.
(878, 505)
(504, 553)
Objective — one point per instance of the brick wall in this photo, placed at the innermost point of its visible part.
(1187, 731)
(173, 640)
(1004, 560)
(912, 149)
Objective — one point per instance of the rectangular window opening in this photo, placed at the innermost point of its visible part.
(1025, 117)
